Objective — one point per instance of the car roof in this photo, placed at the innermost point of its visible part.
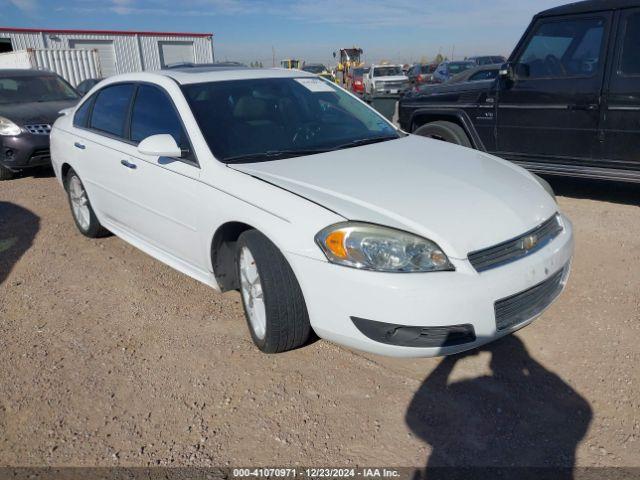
(212, 74)
(23, 72)
(589, 6)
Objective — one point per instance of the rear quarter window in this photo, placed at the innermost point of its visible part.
(111, 109)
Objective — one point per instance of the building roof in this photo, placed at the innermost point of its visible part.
(105, 32)
(589, 6)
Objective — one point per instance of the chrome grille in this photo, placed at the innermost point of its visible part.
(38, 129)
(522, 306)
(518, 247)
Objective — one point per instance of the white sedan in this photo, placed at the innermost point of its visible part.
(325, 216)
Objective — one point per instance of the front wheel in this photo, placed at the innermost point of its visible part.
(445, 131)
(273, 302)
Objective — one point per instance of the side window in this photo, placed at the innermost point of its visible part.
(483, 75)
(153, 114)
(81, 116)
(111, 109)
(561, 49)
(630, 60)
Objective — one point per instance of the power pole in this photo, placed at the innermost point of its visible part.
(453, 49)
(273, 56)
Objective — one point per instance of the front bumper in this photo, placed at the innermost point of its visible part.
(24, 151)
(336, 295)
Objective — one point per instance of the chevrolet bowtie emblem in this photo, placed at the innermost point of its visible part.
(529, 242)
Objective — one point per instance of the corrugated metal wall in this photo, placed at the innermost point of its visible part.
(73, 65)
(133, 52)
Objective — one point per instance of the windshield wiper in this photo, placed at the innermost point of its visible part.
(364, 141)
(273, 155)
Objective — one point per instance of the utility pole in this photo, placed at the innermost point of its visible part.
(273, 56)
(453, 49)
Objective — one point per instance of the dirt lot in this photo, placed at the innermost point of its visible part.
(110, 358)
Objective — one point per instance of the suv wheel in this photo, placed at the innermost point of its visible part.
(445, 131)
(273, 302)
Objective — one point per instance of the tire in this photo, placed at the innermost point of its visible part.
(88, 225)
(445, 131)
(286, 320)
(5, 173)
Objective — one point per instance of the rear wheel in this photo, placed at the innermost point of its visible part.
(273, 302)
(5, 173)
(445, 131)
(83, 214)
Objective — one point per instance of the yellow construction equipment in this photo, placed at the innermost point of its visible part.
(349, 58)
(290, 63)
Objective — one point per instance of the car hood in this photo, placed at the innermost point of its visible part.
(34, 112)
(462, 199)
(458, 87)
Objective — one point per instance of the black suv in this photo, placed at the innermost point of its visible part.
(30, 101)
(567, 102)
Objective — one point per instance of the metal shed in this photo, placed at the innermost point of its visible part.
(119, 51)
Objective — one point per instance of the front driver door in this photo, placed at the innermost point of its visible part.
(549, 111)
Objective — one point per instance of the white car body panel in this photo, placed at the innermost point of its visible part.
(462, 199)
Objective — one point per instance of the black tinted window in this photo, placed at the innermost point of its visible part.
(483, 75)
(111, 108)
(563, 49)
(82, 114)
(630, 62)
(154, 114)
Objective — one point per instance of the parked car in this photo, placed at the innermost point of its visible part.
(322, 213)
(30, 101)
(86, 85)
(357, 81)
(487, 59)
(446, 70)
(421, 74)
(384, 81)
(477, 74)
(566, 103)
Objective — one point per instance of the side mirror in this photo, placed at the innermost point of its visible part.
(162, 145)
(506, 72)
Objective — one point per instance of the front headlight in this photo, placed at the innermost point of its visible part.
(383, 249)
(544, 184)
(8, 128)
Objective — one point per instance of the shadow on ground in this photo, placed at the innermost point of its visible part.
(18, 228)
(606, 191)
(521, 415)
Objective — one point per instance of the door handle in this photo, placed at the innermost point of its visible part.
(128, 164)
(79, 145)
(585, 107)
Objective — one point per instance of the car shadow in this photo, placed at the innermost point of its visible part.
(607, 191)
(521, 419)
(18, 228)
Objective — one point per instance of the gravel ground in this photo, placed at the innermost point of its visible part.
(110, 358)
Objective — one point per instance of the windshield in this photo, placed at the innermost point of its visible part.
(387, 71)
(267, 119)
(457, 67)
(24, 89)
(314, 68)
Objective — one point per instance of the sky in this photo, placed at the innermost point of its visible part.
(403, 31)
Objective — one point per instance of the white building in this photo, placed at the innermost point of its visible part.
(119, 51)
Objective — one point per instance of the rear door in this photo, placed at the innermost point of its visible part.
(621, 110)
(162, 191)
(550, 112)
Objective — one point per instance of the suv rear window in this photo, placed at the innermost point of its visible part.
(111, 108)
(630, 61)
